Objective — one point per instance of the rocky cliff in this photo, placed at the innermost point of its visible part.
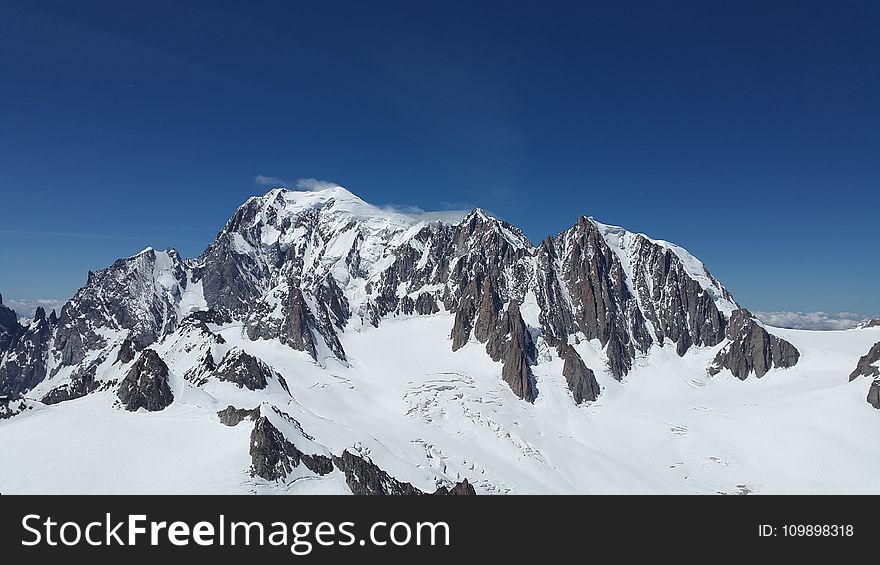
(752, 349)
(292, 274)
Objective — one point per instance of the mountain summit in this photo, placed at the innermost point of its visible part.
(283, 302)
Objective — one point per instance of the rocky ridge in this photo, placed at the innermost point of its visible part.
(300, 269)
(869, 366)
(752, 349)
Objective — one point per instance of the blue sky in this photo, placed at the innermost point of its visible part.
(748, 132)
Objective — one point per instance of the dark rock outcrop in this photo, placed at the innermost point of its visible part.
(581, 380)
(316, 463)
(463, 488)
(425, 305)
(273, 457)
(867, 365)
(603, 307)
(294, 328)
(874, 394)
(146, 384)
(199, 373)
(461, 326)
(364, 477)
(751, 349)
(504, 332)
(231, 280)
(198, 322)
(11, 408)
(511, 343)
(677, 306)
(232, 416)
(127, 351)
(82, 382)
(124, 297)
(580, 264)
(246, 371)
(209, 316)
(10, 329)
(26, 360)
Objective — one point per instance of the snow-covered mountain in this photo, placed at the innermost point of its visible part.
(321, 344)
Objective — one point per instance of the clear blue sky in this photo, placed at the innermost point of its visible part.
(748, 132)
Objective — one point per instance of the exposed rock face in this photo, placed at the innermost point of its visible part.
(10, 330)
(231, 280)
(873, 323)
(198, 322)
(752, 349)
(423, 305)
(868, 364)
(505, 334)
(82, 382)
(273, 457)
(316, 463)
(581, 380)
(674, 302)
(512, 344)
(137, 294)
(246, 371)
(622, 305)
(146, 384)
(11, 408)
(199, 373)
(299, 267)
(363, 477)
(603, 307)
(25, 364)
(463, 488)
(874, 394)
(232, 416)
(127, 351)
(294, 328)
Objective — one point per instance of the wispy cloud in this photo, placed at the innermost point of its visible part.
(450, 212)
(812, 320)
(274, 182)
(307, 184)
(25, 307)
(315, 184)
(417, 213)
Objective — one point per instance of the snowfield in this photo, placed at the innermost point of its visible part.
(431, 416)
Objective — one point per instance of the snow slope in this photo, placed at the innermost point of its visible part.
(428, 416)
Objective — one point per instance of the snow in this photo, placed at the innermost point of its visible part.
(622, 242)
(430, 416)
(86, 446)
(192, 299)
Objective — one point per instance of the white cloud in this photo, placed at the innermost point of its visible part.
(274, 182)
(26, 307)
(450, 213)
(811, 320)
(306, 184)
(448, 216)
(314, 184)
